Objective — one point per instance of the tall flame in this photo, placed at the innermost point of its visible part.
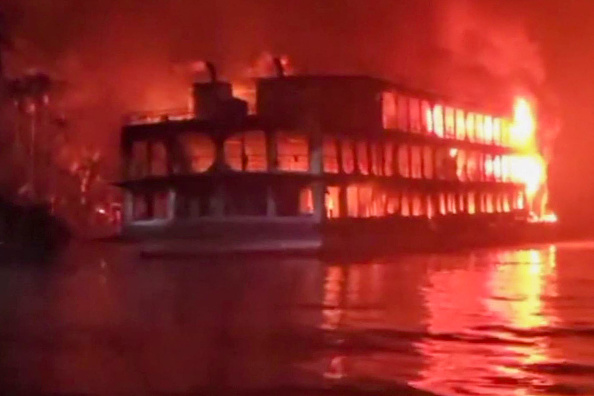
(529, 166)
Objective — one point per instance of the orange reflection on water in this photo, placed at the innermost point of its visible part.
(483, 321)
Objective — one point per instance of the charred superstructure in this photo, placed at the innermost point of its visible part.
(323, 158)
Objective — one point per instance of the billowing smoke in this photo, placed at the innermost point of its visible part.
(126, 55)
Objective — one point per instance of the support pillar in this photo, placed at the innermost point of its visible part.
(171, 203)
(128, 208)
(318, 187)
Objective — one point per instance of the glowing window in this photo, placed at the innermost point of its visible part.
(246, 151)
(461, 161)
(363, 158)
(471, 203)
(488, 129)
(388, 159)
(450, 125)
(415, 115)
(403, 113)
(376, 159)
(470, 122)
(489, 167)
(479, 128)
(348, 157)
(438, 120)
(427, 114)
(389, 110)
(403, 161)
(331, 202)
(428, 162)
(199, 152)
(405, 205)
(352, 196)
(416, 162)
(497, 130)
(306, 201)
(497, 168)
(460, 125)
(505, 132)
(292, 151)
(330, 153)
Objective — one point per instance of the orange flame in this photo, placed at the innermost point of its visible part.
(529, 167)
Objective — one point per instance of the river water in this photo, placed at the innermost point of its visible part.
(487, 322)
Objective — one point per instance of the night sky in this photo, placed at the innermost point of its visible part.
(123, 55)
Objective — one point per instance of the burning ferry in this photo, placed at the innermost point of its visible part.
(329, 162)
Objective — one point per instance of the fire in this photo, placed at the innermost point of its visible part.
(529, 167)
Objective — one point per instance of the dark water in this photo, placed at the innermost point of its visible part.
(492, 322)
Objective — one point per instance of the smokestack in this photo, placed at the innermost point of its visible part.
(278, 67)
(212, 71)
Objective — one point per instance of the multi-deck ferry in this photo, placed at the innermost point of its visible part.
(324, 162)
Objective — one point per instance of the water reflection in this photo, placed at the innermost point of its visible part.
(482, 308)
(500, 322)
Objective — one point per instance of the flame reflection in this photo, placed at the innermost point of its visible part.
(490, 318)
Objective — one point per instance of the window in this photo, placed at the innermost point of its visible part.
(403, 162)
(489, 169)
(472, 166)
(246, 151)
(450, 129)
(460, 125)
(479, 128)
(306, 201)
(417, 205)
(429, 207)
(331, 201)
(416, 162)
(405, 204)
(389, 110)
(352, 201)
(140, 209)
(505, 132)
(293, 152)
(403, 113)
(427, 114)
(428, 162)
(438, 120)
(363, 158)
(451, 203)
(159, 159)
(461, 161)
(442, 204)
(470, 122)
(330, 152)
(488, 129)
(497, 175)
(348, 157)
(376, 159)
(139, 166)
(415, 115)
(388, 159)
(471, 203)
(199, 152)
(497, 130)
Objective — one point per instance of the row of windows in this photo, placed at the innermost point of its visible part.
(195, 153)
(411, 114)
(361, 201)
(369, 201)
